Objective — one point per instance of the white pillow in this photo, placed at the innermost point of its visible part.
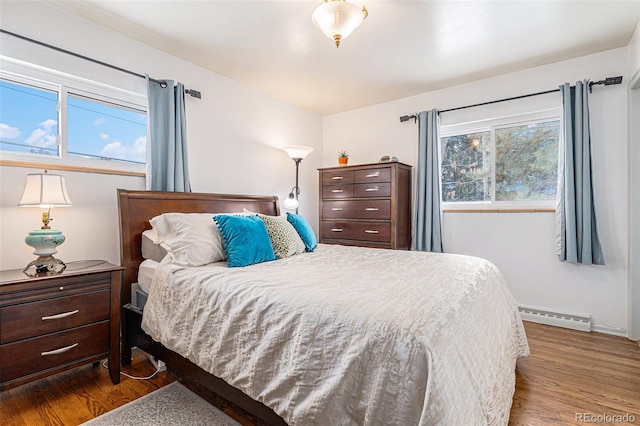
(192, 239)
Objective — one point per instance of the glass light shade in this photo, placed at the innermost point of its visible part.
(297, 151)
(45, 190)
(291, 202)
(337, 19)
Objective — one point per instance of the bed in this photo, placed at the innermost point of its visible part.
(340, 335)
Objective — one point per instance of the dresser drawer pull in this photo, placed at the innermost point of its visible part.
(59, 351)
(336, 229)
(372, 209)
(337, 190)
(372, 189)
(371, 231)
(336, 209)
(337, 178)
(376, 174)
(60, 316)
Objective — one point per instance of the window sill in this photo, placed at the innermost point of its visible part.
(503, 210)
(69, 168)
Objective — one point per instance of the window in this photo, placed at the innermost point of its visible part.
(509, 162)
(54, 118)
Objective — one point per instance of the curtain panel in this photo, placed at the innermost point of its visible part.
(167, 168)
(428, 220)
(577, 237)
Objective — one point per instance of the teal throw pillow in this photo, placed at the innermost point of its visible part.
(246, 240)
(304, 230)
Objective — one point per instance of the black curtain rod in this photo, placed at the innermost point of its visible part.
(162, 83)
(607, 82)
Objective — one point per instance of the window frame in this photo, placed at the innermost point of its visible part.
(65, 84)
(490, 125)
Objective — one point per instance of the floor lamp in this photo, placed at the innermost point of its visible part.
(297, 153)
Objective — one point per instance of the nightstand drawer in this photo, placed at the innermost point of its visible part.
(361, 231)
(382, 174)
(337, 191)
(364, 190)
(33, 355)
(359, 209)
(37, 318)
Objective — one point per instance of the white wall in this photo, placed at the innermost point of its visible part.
(634, 186)
(234, 133)
(522, 244)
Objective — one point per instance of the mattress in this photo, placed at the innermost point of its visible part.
(350, 335)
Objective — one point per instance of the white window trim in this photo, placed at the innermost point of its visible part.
(489, 125)
(63, 83)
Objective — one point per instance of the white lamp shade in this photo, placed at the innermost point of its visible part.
(291, 203)
(298, 151)
(338, 18)
(45, 190)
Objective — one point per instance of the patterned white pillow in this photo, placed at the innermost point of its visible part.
(284, 238)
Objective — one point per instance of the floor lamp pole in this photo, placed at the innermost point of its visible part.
(297, 160)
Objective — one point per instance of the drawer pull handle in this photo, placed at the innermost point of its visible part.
(59, 351)
(337, 190)
(372, 209)
(376, 174)
(371, 231)
(60, 316)
(336, 209)
(336, 229)
(337, 178)
(372, 189)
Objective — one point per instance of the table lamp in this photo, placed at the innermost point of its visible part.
(45, 190)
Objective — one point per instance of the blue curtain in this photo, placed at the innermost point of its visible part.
(167, 168)
(428, 220)
(577, 237)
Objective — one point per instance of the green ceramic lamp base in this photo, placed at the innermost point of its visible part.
(45, 241)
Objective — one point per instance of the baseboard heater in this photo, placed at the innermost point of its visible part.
(559, 319)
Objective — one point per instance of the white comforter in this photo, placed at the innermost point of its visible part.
(350, 335)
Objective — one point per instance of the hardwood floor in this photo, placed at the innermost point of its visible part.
(568, 373)
(571, 376)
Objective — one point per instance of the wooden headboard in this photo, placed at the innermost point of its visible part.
(135, 208)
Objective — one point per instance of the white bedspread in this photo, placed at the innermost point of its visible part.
(350, 335)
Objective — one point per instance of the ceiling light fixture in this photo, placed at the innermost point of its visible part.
(337, 19)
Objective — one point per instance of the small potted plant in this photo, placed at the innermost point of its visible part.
(343, 158)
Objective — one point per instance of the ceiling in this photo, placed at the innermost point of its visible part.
(402, 49)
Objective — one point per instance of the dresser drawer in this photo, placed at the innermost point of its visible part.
(382, 174)
(37, 318)
(30, 356)
(361, 231)
(337, 177)
(357, 209)
(364, 190)
(337, 191)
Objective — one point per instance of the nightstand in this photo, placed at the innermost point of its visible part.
(51, 323)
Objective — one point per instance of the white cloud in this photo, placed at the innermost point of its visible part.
(100, 121)
(134, 152)
(104, 136)
(42, 137)
(9, 132)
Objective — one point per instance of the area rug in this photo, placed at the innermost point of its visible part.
(171, 405)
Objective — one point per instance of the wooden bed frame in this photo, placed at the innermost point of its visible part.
(135, 208)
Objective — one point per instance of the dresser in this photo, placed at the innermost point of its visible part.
(52, 323)
(366, 205)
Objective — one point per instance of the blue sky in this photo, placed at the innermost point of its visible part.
(29, 123)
